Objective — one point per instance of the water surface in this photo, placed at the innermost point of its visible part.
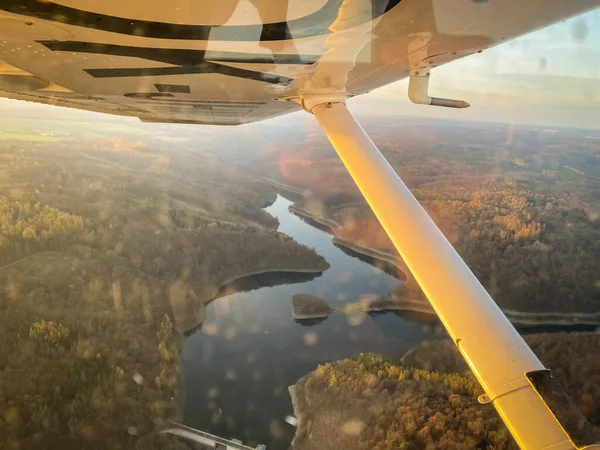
(237, 367)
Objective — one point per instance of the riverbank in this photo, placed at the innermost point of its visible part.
(394, 303)
(422, 306)
(300, 410)
(263, 272)
(334, 228)
(430, 388)
(287, 191)
(515, 317)
(218, 291)
(256, 323)
(312, 307)
(321, 222)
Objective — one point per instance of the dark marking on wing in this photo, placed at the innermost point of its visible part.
(176, 88)
(314, 24)
(177, 56)
(204, 68)
(147, 95)
(184, 61)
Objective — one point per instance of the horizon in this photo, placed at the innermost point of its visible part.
(547, 78)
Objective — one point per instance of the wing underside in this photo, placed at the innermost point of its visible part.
(238, 61)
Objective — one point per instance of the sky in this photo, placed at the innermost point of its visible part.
(549, 77)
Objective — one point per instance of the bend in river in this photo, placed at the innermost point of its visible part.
(239, 363)
(238, 366)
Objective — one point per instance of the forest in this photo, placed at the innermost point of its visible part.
(429, 400)
(520, 204)
(572, 357)
(111, 247)
(109, 250)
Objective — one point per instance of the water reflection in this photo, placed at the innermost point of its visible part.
(311, 322)
(238, 366)
(261, 280)
(384, 266)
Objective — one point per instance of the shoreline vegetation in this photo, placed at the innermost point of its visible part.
(394, 302)
(111, 247)
(109, 250)
(221, 291)
(428, 398)
(389, 303)
(506, 197)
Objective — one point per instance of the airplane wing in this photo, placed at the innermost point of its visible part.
(230, 62)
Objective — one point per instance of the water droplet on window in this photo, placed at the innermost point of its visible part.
(579, 30)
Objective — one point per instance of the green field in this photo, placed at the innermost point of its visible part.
(27, 137)
(29, 127)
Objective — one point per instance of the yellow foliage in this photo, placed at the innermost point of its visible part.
(84, 349)
(12, 417)
(27, 220)
(49, 331)
(164, 352)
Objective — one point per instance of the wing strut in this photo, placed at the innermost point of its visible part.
(495, 352)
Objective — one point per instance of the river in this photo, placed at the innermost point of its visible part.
(238, 365)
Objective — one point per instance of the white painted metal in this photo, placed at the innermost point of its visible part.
(418, 87)
(204, 438)
(491, 346)
(361, 45)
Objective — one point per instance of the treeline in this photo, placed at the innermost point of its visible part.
(370, 402)
(572, 357)
(430, 399)
(89, 356)
(130, 154)
(106, 256)
(182, 221)
(520, 204)
(215, 252)
(532, 252)
(29, 220)
(28, 227)
(77, 372)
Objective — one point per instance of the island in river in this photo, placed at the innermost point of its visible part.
(110, 248)
(306, 306)
(519, 204)
(408, 296)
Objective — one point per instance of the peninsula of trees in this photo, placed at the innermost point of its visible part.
(520, 204)
(109, 250)
(429, 400)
